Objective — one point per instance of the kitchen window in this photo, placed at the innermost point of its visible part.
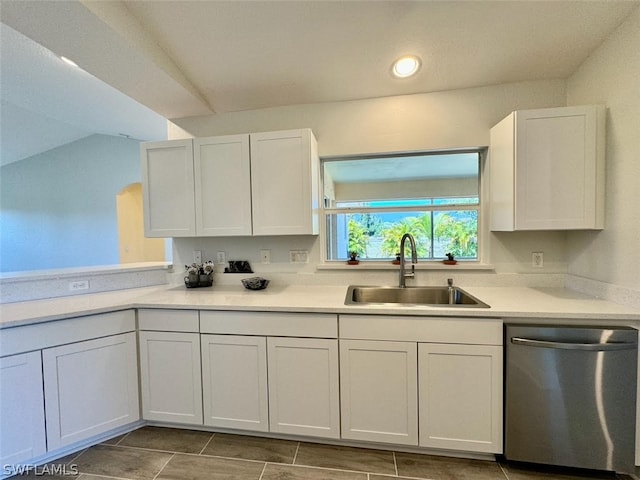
(370, 201)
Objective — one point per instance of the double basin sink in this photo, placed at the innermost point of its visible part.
(416, 296)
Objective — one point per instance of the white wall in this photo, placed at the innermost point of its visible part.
(58, 208)
(611, 76)
(452, 119)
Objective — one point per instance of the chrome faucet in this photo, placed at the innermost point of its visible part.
(414, 259)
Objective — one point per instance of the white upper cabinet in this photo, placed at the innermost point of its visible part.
(167, 179)
(235, 185)
(284, 183)
(547, 169)
(222, 186)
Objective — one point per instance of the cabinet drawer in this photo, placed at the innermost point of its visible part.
(474, 331)
(170, 320)
(60, 332)
(270, 324)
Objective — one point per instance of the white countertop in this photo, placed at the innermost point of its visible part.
(541, 304)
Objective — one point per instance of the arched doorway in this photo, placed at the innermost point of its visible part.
(133, 245)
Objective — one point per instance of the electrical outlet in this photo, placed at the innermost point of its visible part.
(299, 256)
(537, 259)
(265, 256)
(221, 258)
(78, 285)
(197, 256)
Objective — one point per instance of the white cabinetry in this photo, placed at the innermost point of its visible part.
(222, 186)
(547, 169)
(170, 378)
(236, 185)
(379, 385)
(234, 379)
(90, 388)
(284, 183)
(460, 397)
(303, 386)
(447, 373)
(301, 395)
(68, 381)
(22, 428)
(168, 188)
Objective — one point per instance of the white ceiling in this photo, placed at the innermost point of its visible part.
(46, 103)
(186, 58)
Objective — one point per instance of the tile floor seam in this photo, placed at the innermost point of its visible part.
(207, 444)
(220, 457)
(164, 466)
(75, 457)
(504, 472)
(145, 449)
(328, 469)
(395, 463)
(295, 455)
(91, 475)
(123, 437)
(262, 472)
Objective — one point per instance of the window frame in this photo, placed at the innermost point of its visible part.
(481, 207)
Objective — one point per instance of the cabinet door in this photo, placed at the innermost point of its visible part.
(234, 382)
(557, 169)
(171, 385)
(22, 432)
(304, 367)
(168, 188)
(222, 186)
(91, 387)
(461, 397)
(284, 183)
(378, 384)
(547, 169)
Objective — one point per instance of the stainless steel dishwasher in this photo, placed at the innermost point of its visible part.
(570, 396)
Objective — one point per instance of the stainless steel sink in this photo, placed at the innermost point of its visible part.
(424, 296)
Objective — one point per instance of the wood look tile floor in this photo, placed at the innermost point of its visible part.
(157, 453)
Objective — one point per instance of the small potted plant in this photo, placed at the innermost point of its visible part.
(450, 260)
(199, 275)
(397, 259)
(353, 258)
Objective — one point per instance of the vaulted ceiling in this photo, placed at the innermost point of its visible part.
(186, 58)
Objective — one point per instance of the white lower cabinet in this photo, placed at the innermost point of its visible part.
(234, 382)
(170, 377)
(91, 387)
(22, 426)
(379, 388)
(304, 386)
(460, 396)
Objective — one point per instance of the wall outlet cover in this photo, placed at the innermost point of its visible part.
(76, 285)
(537, 259)
(299, 256)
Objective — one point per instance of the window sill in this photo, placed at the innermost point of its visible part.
(365, 265)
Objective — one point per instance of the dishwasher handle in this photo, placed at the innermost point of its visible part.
(594, 347)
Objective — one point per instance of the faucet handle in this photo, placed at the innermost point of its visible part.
(450, 282)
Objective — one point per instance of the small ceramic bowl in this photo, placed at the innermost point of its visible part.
(255, 283)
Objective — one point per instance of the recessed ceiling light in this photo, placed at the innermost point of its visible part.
(69, 62)
(406, 66)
